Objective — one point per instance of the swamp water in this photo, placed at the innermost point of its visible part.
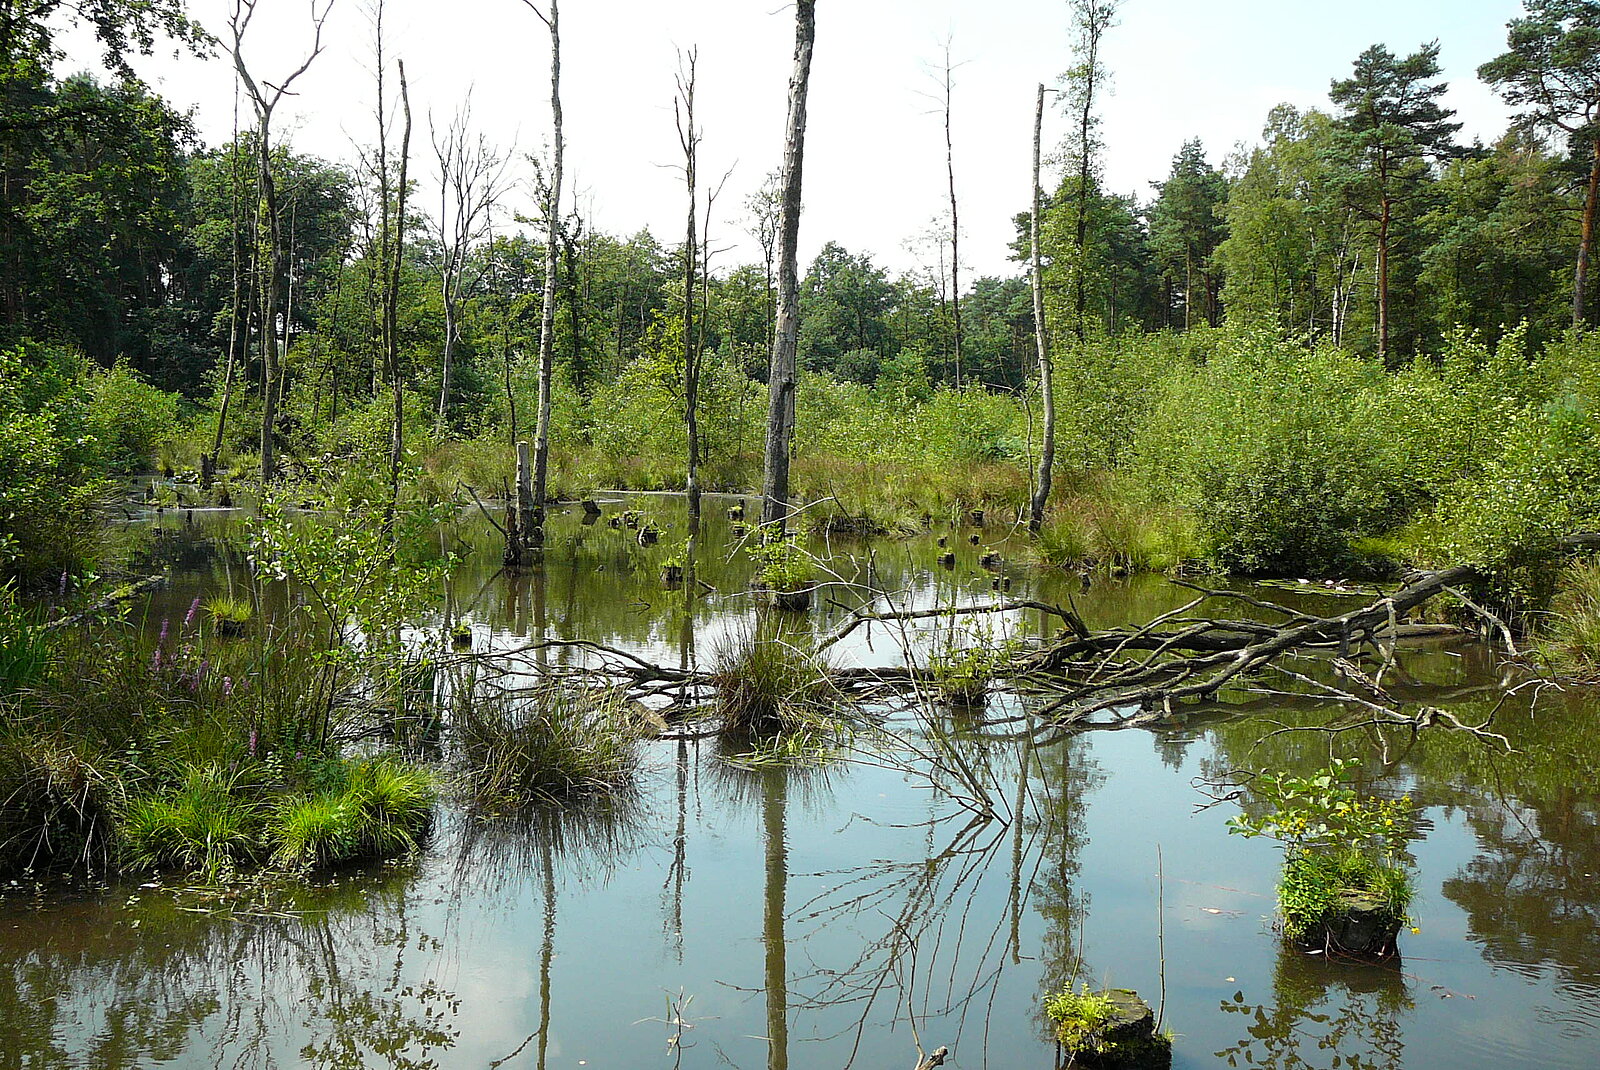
(755, 916)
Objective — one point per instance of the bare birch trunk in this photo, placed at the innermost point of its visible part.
(533, 532)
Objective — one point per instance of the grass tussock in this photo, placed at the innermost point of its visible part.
(1570, 637)
(554, 744)
(767, 687)
(55, 802)
(1104, 528)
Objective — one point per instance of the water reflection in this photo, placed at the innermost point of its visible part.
(812, 916)
(1324, 1014)
(317, 971)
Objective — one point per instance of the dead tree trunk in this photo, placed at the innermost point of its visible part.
(948, 85)
(533, 527)
(689, 140)
(1047, 454)
(786, 331)
(264, 97)
(391, 306)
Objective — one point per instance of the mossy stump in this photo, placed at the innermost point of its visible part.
(1115, 1031)
(790, 601)
(1360, 926)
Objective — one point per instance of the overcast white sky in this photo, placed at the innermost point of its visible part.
(874, 172)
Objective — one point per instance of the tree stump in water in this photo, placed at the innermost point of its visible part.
(1120, 1034)
(1359, 927)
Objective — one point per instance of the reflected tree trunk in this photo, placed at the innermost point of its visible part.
(776, 982)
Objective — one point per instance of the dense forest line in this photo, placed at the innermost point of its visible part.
(1357, 342)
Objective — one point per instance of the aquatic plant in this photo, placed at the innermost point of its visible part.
(553, 743)
(1341, 852)
(765, 685)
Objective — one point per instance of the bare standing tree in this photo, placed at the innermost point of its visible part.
(689, 141)
(533, 524)
(764, 206)
(472, 175)
(391, 304)
(1047, 455)
(265, 98)
(786, 331)
(944, 76)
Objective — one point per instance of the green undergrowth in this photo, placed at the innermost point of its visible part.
(1569, 636)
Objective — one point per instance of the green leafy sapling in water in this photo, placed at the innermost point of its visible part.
(963, 666)
(784, 563)
(1337, 844)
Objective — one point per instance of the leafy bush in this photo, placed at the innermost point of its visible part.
(1337, 844)
(50, 460)
(129, 418)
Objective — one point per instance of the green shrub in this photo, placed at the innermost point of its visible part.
(1337, 845)
(129, 418)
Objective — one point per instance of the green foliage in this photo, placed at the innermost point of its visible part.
(129, 418)
(1079, 1017)
(1337, 844)
(1276, 451)
(24, 646)
(783, 563)
(51, 465)
(966, 659)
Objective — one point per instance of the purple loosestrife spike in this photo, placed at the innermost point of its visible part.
(155, 660)
(227, 685)
(252, 742)
(63, 584)
(194, 611)
(164, 623)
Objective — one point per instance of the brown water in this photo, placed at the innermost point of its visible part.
(837, 916)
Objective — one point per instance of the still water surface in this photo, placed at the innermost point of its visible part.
(752, 918)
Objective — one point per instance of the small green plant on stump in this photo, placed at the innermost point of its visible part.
(1109, 1028)
(963, 666)
(785, 571)
(230, 615)
(1344, 887)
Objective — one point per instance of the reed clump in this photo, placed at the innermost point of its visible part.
(767, 686)
(555, 743)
